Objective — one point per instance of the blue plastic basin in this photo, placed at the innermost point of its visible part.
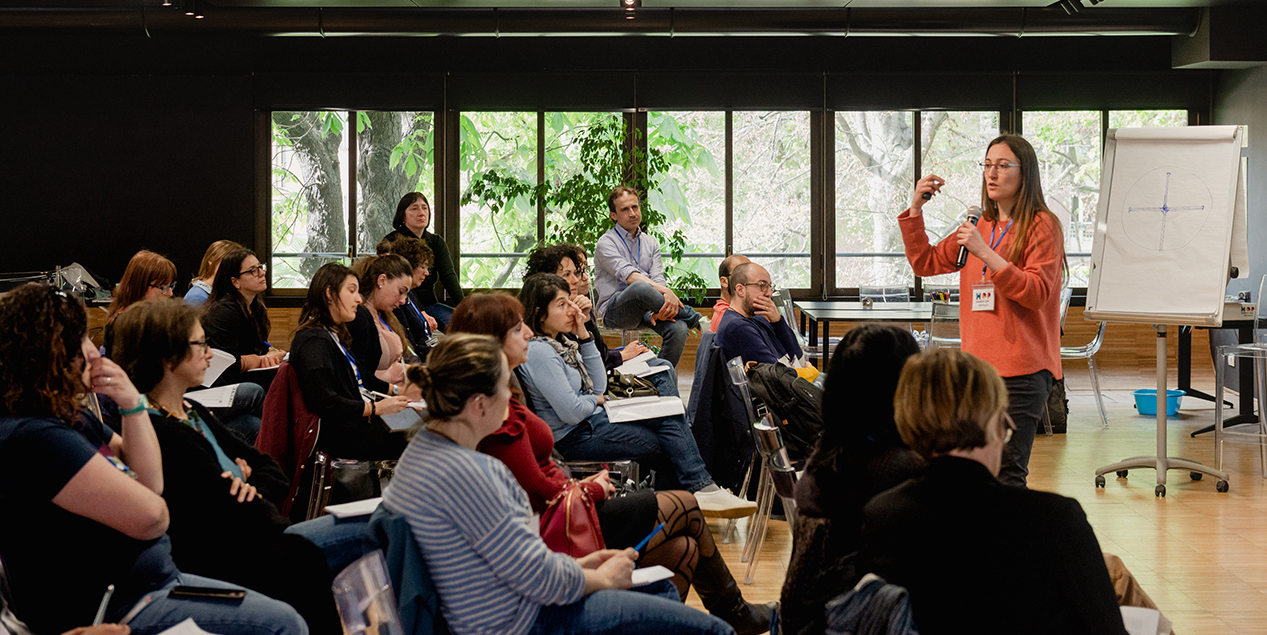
(1146, 401)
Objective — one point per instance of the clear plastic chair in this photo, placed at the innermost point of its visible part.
(365, 599)
(943, 329)
(1086, 352)
(778, 477)
(783, 302)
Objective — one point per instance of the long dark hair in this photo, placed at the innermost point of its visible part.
(393, 266)
(398, 221)
(538, 292)
(41, 354)
(316, 312)
(222, 290)
(858, 394)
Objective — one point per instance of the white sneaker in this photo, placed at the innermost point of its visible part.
(723, 504)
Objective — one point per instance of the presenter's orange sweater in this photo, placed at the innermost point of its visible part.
(1021, 336)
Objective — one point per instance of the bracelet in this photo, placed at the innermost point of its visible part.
(142, 405)
(373, 409)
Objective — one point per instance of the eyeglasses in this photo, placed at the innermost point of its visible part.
(202, 343)
(1000, 166)
(166, 288)
(763, 286)
(257, 270)
(1009, 428)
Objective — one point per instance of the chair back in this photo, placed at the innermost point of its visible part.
(1066, 295)
(783, 302)
(720, 420)
(417, 601)
(365, 599)
(943, 330)
(774, 454)
(288, 430)
(1258, 299)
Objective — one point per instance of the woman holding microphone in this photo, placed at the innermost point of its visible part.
(1010, 285)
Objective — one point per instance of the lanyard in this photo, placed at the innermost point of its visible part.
(426, 328)
(637, 241)
(351, 362)
(995, 243)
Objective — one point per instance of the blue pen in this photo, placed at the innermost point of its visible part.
(649, 537)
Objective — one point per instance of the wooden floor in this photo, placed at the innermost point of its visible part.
(1201, 555)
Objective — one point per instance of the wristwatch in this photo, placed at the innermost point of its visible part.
(141, 406)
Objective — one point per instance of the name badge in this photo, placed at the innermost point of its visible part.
(983, 297)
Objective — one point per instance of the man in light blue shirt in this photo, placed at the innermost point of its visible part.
(632, 290)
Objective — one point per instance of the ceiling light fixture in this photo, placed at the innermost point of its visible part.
(198, 14)
(629, 6)
(188, 7)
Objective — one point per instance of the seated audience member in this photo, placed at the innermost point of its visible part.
(948, 536)
(413, 214)
(237, 321)
(723, 276)
(564, 260)
(88, 499)
(378, 342)
(565, 381)
(200, 287)
(524, 443)
(753, 328)
(222, 493)
(632, 291)
(420, 329)
(859, 455)
(10, 624)
(477, 533)
(147, 276)
(331, 383)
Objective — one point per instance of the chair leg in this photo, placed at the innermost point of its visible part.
(1095, 384)
(317, 494)
(731, 529)
(762, 522)
(765, 496)
(1047, 420)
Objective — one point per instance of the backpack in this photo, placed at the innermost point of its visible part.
(794, 402)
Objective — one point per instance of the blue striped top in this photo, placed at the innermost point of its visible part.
(478, 535)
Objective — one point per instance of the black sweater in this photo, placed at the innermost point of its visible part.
(330, 392)
(214, 535)
(442, 271)
(230, 329)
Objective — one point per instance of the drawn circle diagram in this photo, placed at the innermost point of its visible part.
(1166, 209)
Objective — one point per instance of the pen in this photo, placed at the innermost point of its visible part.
(649, 537)
(379, 394)
(105, 600)
(145, 601)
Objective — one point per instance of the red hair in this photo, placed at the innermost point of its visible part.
(487, 314)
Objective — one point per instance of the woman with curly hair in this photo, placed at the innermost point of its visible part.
(524, 443)
(90, 502)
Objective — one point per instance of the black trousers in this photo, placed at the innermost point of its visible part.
(1027, 397)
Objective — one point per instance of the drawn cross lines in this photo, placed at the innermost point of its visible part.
(1152, 221)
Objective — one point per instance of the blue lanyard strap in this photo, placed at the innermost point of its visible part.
(426, 328)
(995, 243)
(351, 361)
(637, 241)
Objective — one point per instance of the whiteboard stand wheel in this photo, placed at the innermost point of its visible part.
(1121, 473)
(1196, 476)
(1160, 491)
(1099, 481)
(1221, 487)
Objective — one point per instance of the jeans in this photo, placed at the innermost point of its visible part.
(632, 308)
(243, 416)
(442, 312)
(598, 439)
(1026, 397)
(257, 614)
(341, 540)
(665, 382)
(653, 609)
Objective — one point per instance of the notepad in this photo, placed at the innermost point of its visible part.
(654, 573)
(639, 366)
(405, 419)
(642, 408)
(221, 397)
(354, 508)
(220, 360)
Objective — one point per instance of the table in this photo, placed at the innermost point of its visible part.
(1244, 335)
(823, 313)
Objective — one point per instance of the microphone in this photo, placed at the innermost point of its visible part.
(974, 215)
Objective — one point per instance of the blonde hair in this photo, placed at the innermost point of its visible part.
(948, 400)
(211, 260)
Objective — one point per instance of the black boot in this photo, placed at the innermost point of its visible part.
(721, 596)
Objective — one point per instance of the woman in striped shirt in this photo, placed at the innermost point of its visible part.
(477, 533)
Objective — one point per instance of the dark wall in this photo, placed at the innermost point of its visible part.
(116, 143)
(94, 168)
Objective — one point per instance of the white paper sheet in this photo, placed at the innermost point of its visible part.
(221, 397)
(220, 360)
(354, 508)
(641, 408)
(403, 420)
(1142, 621)
(654, 573)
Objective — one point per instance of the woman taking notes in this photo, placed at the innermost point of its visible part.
(1010, 286)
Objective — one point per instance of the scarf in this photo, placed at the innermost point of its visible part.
(570, 350)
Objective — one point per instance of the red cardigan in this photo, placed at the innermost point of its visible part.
(524, 444)
(1021, 336)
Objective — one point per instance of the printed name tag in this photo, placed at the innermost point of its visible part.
(983, 297)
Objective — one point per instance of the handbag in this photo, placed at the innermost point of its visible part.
(570, 523)
(622, 386)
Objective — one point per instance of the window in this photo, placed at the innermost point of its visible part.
(772, 193)
(494, 238)
(692, 192)
(875, 169)
(309, 217)
(311, 185)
